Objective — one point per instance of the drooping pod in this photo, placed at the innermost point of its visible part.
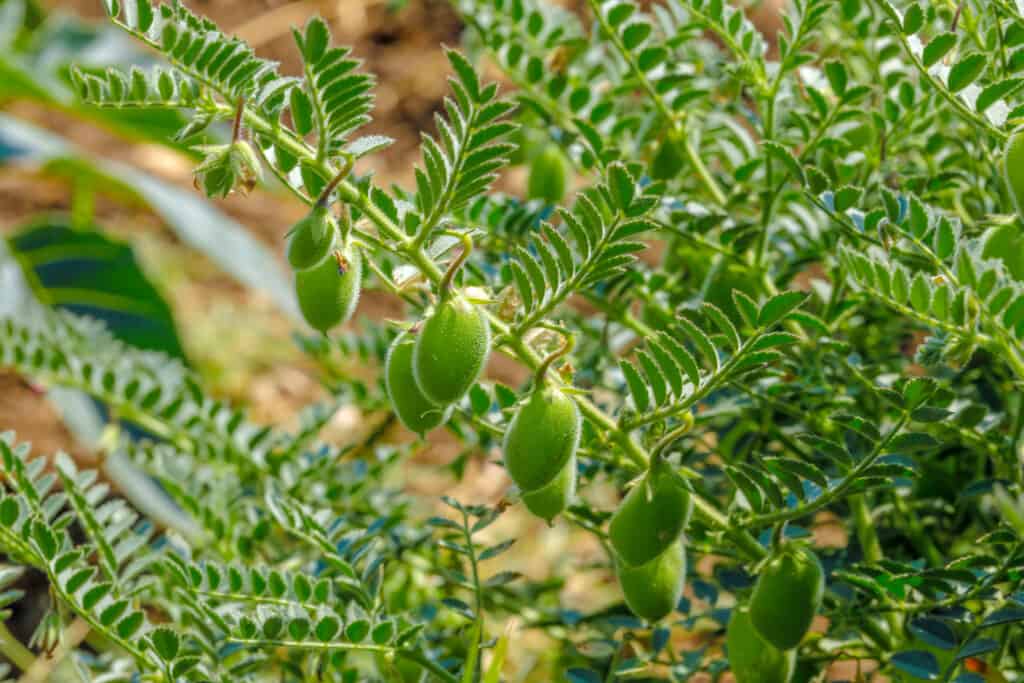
(540, 448)
(1006, 243)
(652, 590)
(651, 516)
(451, 350)
(550, 501)
(787, 595)
(328, 292)
(1013, 170)
(751, 658)
(413, 408)
(311, 239)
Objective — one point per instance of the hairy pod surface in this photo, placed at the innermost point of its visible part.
(311, 239)
(787, 595)
(549, 175)
(414, 410)
(751, 658)
(550, 501)
(1006, 243)
(541, 438)
(650, 518)
(451, 350)
(1013, 170)
(328, 293)
(653, 590)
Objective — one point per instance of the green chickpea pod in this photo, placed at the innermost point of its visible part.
(652, 590)
(453, 344)
(541, 441)
(751, 658)
(413, 408)
(1013, 170)
(787, 595)
(646, 536)
(328, 292)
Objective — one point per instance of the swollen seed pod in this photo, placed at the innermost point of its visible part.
(451, 350)
(651, 517)
(328, 293)
(653, 590)
(1006, 243)
(1013, 170)
(787, 595)
(551, 500)
(541, 438)
(415, 410)
(549, 175)
(310, 240)
(752, 659)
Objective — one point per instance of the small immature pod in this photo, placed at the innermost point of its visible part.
(787, 595)
(328, 293)
(1013, 170)
(549, 175)
(752, 659)
(653, 590)
(651, 516)
(311, 239)
(451, 350)
(416, 411)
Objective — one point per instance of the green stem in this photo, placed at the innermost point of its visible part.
(477, 592)
(445, 286)
(12, 650)
(325, 196)
(835, 493)
(978, 120)
(676, 130)
(568, 343)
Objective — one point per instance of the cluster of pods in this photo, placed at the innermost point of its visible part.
(433, 364)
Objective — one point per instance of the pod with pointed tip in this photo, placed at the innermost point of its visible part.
(787, 595)
(414, 410)
(1013, 170)
(650, 518)
(328, 293)
(751, 658)
(653, 590)
(451, 350)
(311, 239)
(550, 501)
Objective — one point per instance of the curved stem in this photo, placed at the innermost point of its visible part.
(778, 535)
(444, 287)
(670, 438)
(324, 199)
(568, 344)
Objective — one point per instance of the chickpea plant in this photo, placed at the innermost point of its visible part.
(769, 288)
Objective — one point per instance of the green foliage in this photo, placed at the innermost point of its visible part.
(790, 280)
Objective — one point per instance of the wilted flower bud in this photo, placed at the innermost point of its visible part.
(227, 167)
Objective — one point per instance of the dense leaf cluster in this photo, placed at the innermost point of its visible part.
(792, 272)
